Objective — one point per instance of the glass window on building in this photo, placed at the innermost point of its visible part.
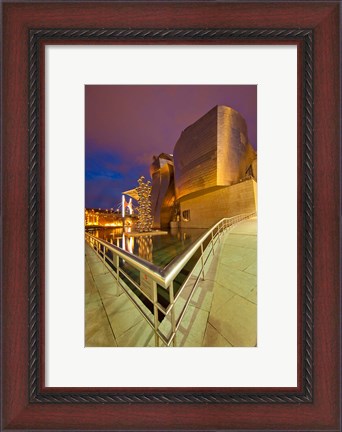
(186, 215)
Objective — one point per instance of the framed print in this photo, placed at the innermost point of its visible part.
(111, 320)
(284, 357)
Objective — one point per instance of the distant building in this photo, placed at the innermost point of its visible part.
(91, 217)
(105, 217)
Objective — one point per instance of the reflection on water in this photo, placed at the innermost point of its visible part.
(159, 249)
(145, 249)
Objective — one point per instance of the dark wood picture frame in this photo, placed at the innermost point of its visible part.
(27, 403)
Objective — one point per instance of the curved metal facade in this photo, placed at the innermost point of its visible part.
(163, 190)
(214, 151)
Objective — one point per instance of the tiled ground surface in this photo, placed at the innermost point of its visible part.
(222, 311)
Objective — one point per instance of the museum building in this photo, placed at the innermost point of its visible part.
(212, 173)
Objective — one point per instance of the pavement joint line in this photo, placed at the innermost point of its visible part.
(133, 325)
(221, 335)
(243, 234)
(236, 269)
(244, 298)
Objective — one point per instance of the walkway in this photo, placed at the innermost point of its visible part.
(222, 312)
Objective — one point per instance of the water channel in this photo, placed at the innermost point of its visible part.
(159, 249)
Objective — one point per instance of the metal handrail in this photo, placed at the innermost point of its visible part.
(154, 271)
(172, 269)
(163, 276)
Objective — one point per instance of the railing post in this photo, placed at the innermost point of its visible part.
(212, 242)
(155, 312)
(173, 319)
(117, 267)
(202, 261)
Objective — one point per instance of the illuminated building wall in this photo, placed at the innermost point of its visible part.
(91, 217)
(98, 217)
(212, 152)
(215, 169)
(204, 210)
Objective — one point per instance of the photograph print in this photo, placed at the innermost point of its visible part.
(170, 216)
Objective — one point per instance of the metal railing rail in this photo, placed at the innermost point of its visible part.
(115, 258)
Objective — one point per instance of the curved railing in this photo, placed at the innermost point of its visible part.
(154, 290)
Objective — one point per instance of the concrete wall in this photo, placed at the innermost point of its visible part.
(209, 208)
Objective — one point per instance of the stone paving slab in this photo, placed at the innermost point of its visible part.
(214, 338)
(233, 314)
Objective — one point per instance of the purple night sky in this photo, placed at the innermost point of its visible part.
(126, 125)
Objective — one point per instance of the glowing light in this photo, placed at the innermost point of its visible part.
(123, 206)
(130, 206)
(126, 205)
